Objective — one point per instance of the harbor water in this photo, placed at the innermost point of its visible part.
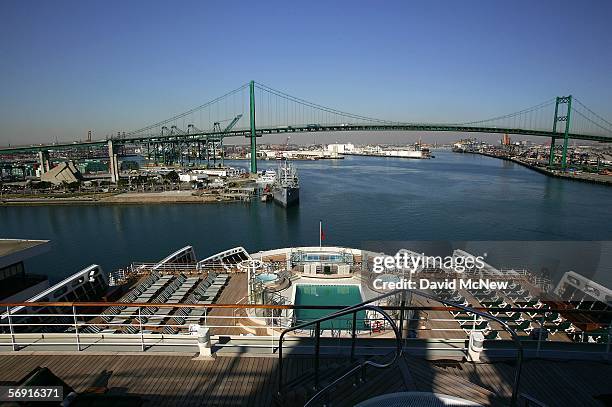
(358, 199)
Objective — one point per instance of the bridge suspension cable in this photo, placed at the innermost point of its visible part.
(586, 121)
(280, 108)
(533, 118)
(215, 104)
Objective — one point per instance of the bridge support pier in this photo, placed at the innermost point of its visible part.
(44, 161)
(551, 158)
(113, 163)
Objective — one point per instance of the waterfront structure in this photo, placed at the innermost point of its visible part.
(192, 176)
(65, 172)
(347, 148)
(15, 283)
(583, 163)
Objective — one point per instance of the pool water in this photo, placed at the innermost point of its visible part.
(267, 277)
(311, 294)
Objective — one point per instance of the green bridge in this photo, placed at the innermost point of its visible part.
(254, 110)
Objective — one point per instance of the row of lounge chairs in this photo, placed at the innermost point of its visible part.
(514, 296)
(452, 296)
(201, 295)
(468, 323)
(550, 321)
(488, 299)
(173, 291)
(517, 293)
(465, 319)
(601, 335)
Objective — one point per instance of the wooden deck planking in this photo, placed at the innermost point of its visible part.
(261, 375)
(234, 291)
(223, 368)
(172, 378)
(195, 380)
(248, 378)
(427, 379)
(442, 328)
(188, 398)
(251, 381)
(269, 383)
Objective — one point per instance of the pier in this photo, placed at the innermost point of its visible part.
(592, 178)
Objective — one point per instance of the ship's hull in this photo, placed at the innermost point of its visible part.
(416, 154)
(286, 196)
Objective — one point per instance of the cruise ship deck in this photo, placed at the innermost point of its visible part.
(216, 331)
(158, 380)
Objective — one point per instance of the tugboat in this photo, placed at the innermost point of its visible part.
(286, 190)
(266, 194)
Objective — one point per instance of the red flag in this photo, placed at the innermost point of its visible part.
(321, 234)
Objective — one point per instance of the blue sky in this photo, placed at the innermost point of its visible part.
(68, 66)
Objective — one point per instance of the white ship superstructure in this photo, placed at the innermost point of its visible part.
(267, 177)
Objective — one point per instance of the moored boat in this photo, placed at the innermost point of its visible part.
(286, 190)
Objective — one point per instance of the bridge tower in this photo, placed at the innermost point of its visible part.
(253, 130)
(567, 119)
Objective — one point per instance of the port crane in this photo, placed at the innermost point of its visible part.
(215, 142)
(219, 138)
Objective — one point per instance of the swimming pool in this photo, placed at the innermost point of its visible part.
(267, 277)
(314, 294)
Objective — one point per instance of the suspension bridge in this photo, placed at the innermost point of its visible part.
(254, 110)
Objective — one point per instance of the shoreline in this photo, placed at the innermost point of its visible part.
(129, 198)
(592, 179)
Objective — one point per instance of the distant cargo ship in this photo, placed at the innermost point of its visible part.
(286, 190)
(418, 153)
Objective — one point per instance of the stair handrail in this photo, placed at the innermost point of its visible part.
(341, 312)
(504, 324)
(361, 366)
(349, 310)
(366, 305)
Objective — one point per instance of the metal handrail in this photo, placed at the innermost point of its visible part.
(348, 310)
(81, 304)
(507, 328)
(403, 292)
(360, 366)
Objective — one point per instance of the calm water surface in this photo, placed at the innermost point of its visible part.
(451, 197)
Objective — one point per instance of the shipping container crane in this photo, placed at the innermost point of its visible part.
(213, 141)
(218, 138)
